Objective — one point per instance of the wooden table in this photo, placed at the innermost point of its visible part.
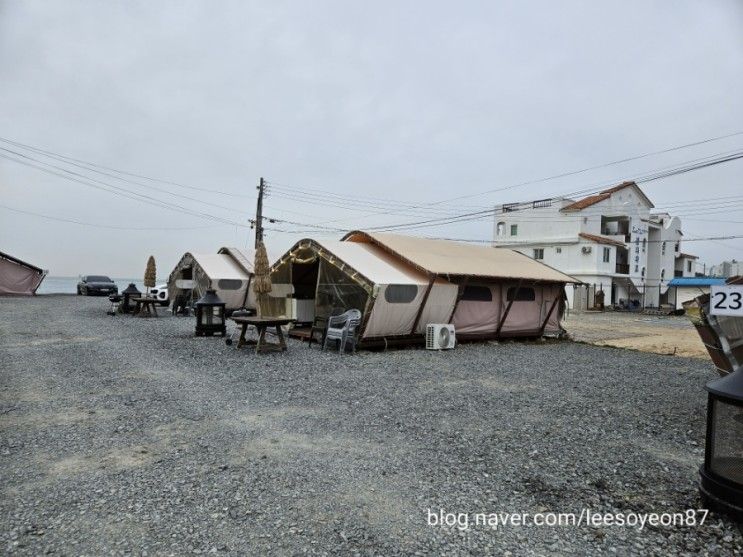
(146, 307)
(261, 324)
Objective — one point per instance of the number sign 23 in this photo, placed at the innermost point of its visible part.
(726, 300)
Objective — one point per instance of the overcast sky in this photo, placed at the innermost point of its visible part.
(395, 102)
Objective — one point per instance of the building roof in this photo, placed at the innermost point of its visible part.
(445, 257)
(601, 239)
(695, 281)
(605, 194)
(686, 256)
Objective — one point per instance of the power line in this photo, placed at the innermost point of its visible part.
(125, 173)
(113, 227)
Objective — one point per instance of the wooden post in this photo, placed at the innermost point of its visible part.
(259, 214)
(508, 307)
(423, 304)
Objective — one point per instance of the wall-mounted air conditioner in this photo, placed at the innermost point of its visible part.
(586, 249)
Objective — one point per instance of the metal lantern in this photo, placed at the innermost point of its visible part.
(722, 472)
(210, 316)
(130, 292)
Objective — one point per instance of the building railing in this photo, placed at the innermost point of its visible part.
(622, 269)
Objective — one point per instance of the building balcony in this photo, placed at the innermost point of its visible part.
(622, 269)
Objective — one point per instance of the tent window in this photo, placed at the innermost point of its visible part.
(477, 294)
(229, 284)
(523, 294)
(400, 293)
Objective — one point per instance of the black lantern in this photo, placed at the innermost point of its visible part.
(210, 317)
(722, 472)
(130, 292)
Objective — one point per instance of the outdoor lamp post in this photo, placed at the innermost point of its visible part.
(128, 293)
(722, 472)
(210, 317)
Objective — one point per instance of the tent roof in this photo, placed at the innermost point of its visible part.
(370, 261)
(243, 257)
(219, 266)
(22, 263)
(444, 257)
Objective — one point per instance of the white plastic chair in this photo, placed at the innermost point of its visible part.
(342, 328)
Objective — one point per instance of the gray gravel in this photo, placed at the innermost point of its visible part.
(126, 435)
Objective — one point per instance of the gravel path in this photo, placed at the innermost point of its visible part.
(125, 435)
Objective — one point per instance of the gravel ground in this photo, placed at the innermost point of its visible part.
(123, 435)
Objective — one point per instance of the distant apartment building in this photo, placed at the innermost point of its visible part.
(611, 241)
(727, 269)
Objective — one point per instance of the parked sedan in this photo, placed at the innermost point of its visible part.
(96, 285)
(161, 293)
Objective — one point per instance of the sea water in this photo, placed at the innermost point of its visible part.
(68, 285)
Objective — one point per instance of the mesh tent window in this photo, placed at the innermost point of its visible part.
(523, 294)
(337, 290)
(474, 293)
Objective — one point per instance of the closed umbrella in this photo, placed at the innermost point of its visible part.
(262, 279)
(149, 274)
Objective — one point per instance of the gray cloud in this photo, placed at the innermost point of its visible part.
(416, 101)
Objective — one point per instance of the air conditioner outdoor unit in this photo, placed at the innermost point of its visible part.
(440, 336)
(586, 249)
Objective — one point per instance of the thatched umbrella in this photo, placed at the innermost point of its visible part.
(262, 271)
(149, 274)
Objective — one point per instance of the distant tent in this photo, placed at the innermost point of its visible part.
(18, 277)
(229, 272)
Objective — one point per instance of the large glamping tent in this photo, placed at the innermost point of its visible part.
(229, 272)
(18, 277)
(402, 283)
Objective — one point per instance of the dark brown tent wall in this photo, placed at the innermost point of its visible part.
(18, 278)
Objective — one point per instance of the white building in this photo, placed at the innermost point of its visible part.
(727, 269)
(611, 241)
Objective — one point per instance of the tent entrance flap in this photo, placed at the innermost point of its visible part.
(304, 282)
(337, 291)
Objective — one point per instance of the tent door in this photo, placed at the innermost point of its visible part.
(304, 280)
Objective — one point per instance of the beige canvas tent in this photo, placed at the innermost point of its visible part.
(229, 272)
(18, 277)
(501, 292)
(402, 283)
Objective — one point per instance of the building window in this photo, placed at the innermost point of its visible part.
(637, 267)
(688, 266)
(643, 272)
(500, 230)
(644, 244)
(400, 293)
(663, 248)
(523, 294)
(662, 274)
(607, 255)
(477, 294)
(678, 247)
(539, 253)
(514, 229)
(558, 250)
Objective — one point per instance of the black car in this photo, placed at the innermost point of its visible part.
(93, 285)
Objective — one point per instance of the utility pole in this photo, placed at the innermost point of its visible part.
(259, 214)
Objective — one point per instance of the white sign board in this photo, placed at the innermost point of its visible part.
(726, 300)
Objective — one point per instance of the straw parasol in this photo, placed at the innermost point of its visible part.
(262, 271)
(149, 274)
